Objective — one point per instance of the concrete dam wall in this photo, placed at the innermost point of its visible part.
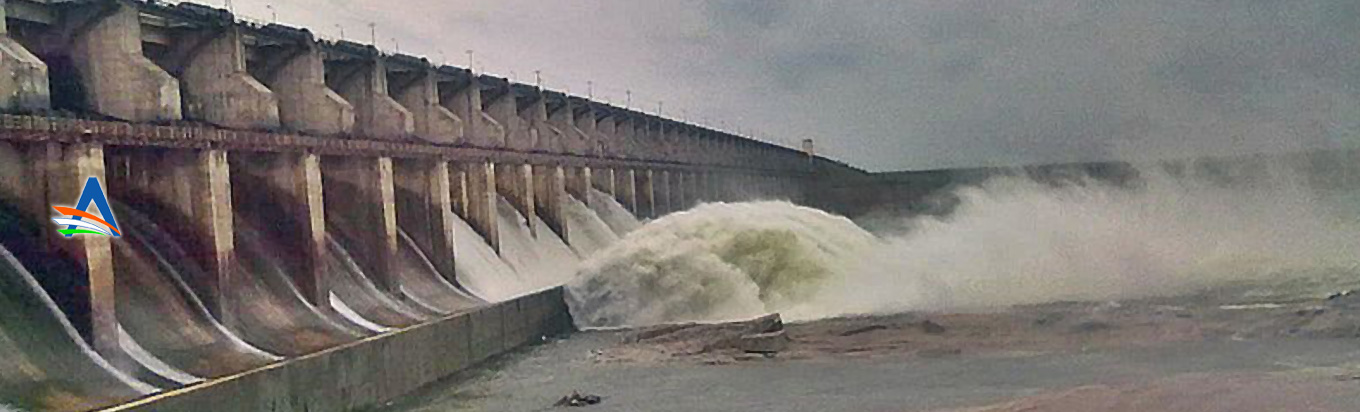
(296, 224)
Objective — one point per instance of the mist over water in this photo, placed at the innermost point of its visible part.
(1268, 230)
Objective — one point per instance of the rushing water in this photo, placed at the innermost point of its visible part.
(480, 269)
(1261, 231)
(541, 258)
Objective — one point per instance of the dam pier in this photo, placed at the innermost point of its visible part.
(300, 201)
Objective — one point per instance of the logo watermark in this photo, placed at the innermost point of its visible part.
(75, 219)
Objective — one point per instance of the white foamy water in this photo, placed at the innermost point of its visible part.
(1011, 241)
(543, 260)
(613, 213)
(480, 269)
(718, 261)
(587, 232)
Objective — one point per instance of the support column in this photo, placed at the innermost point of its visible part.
(376, 114)
(503, 110)
(661, 191)
(195, 185)
(679, 195)
(579, 181)
(465, 101)
(68, 167)
(695, 189)
(425, 209)
(625, 190)
(603, 180)
(306, 104)
(219, 90)
(23, 76)
(119, 80)
(646, 194)
(478, 187)
(516, 183)
(360, 192)
(549, 187)
(294, 190)
(432, 121)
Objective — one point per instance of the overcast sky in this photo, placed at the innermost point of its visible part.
(918, 84)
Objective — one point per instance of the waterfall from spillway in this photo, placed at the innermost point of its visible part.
(480, 269)
(589, 233)
(612, 213)
(542, 259)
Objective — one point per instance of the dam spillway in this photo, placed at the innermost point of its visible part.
(284, 200)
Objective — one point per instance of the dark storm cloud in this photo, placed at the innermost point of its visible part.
(927, 83)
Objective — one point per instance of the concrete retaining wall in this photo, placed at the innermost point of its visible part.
(372, 371)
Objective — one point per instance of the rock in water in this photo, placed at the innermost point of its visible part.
(769, 342)
(576, 399)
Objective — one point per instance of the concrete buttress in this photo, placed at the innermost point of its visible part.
(306, 104)
(23, 76)
(425, 209)
(219, 90)
(108, 56)
(419, 94)
(361, 200)
(376, 114)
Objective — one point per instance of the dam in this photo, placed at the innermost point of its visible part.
(204, 212)
(289, 207)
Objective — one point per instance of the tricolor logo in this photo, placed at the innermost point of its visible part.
(77, 223)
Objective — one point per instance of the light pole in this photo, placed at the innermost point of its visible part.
(273, 14)
(342, 30)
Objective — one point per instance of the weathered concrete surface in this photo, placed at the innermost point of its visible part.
(295, 190)
(306, 104)
(603, 180)
(549, 187)
(645, 191)
(361, 192)
(479, 128)
(578, 181)
(661, 192)
(67, 168)
(376, 114)
(425, 208)
(23, 76)
(372, 371)
(625, 190)
(503, 111)
(217, 88)
(432, 122)
(477, 187)
(571, 139)
(196, 185)
(113, 70)
(516, 183)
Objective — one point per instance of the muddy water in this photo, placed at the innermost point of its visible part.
(533, 380)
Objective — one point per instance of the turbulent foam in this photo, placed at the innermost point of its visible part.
(1266, 233)
(717, 262)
